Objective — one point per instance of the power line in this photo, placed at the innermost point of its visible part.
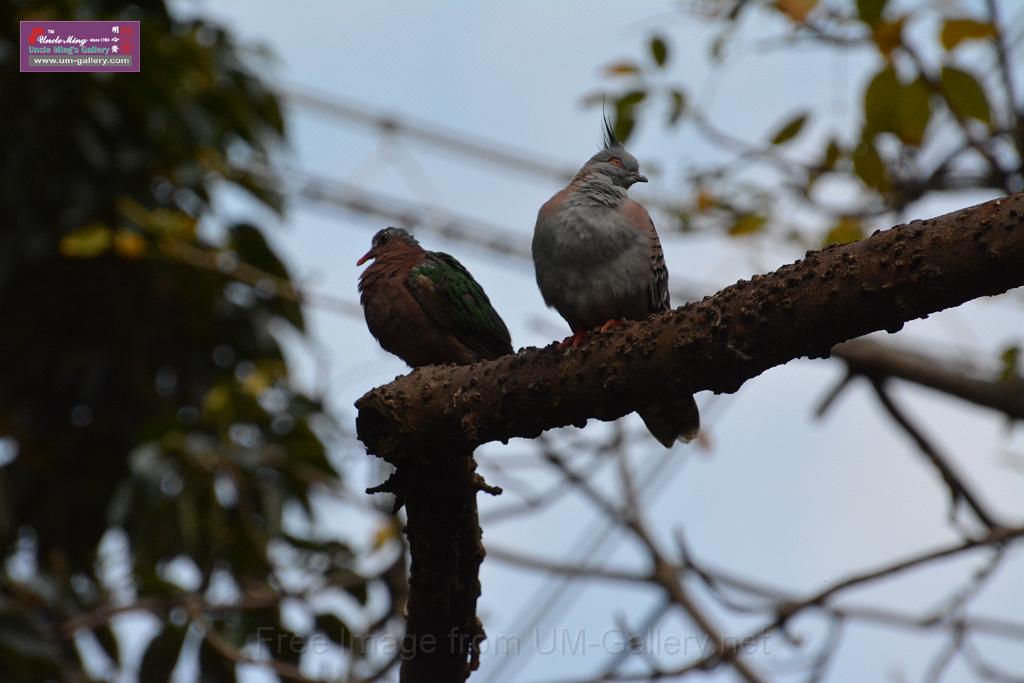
(491, 239)
(447, 139)
(450, 140)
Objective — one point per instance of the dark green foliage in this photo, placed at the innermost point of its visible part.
(138, 379)
(870, 11)
(790, 129)
(659, 50)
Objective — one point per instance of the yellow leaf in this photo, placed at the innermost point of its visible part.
(797, 10)
(706, 201)
(1010, 358)
(129, 244)
(256, 382)
(747, 224)
(704, 442)
(132, 210)
(622, 68)
(216, 401)
(386, 532)
(888, 35)
(86, 242)
(212, 160)
(173, 223)
(167, 222)
(956, 31)
(846, 230)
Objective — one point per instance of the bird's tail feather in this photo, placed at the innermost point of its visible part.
(675, 419)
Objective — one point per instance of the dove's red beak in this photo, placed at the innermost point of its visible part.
(366, 257)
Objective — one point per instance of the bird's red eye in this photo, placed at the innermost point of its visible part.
(615, 160)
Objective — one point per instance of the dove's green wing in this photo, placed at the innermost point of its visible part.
(450, 296)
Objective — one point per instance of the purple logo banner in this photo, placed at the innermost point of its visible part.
(82, 46)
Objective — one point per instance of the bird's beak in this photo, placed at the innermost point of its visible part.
(639, 178)
(366, 257)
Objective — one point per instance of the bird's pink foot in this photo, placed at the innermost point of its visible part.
(610, 325)
(573, 342)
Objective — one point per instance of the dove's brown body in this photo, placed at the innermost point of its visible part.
(427, 309)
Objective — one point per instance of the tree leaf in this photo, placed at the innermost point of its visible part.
(956, 31)
(1010, 361)
(890, 106)
(625, 113)
(845, 230)
(915, 111)
(129, 245)
(747, 224)
(881, 101)
(659, 50)
(622, 68)
(717, 49)
(790, 129)
(888, 35)
(797, 10)
(632, 98)
(965, 95)
(870, 11)
(706, 201)
(678, 107)
(868, 165)
(832, 154)
(387, 532)
(86, 242)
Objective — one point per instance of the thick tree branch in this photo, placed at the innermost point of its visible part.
(443, 635)
(428, 422)
(802, 309)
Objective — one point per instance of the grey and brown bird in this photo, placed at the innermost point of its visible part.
(425, 307)
(598, 261)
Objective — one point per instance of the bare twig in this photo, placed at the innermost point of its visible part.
(1006, 73)
(880, 361)
(958, 490)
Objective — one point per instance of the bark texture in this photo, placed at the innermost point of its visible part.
(442, 635)
(427, 423)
